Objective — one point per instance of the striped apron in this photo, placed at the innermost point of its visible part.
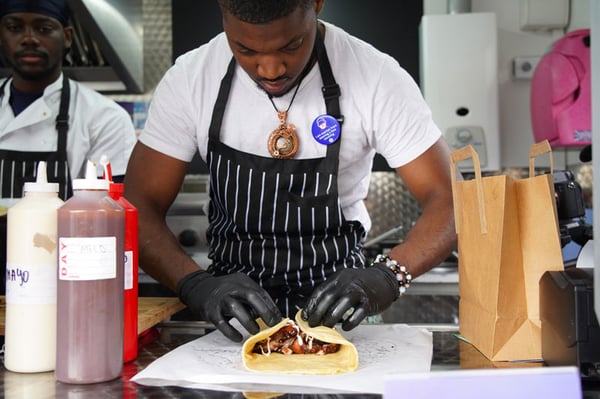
(18, 167)
(279, 221)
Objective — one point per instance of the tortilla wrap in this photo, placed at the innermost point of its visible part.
(342, 361)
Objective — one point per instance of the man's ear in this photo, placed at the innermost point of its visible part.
(319, 6)
(68, 32)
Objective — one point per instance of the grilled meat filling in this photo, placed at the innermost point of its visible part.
(291, 340)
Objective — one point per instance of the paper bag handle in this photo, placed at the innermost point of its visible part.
(456, 156)
(537, 149)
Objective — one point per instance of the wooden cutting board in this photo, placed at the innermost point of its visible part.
(151, 311)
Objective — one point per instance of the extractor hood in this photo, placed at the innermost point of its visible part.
(116, 28)
(107, 52)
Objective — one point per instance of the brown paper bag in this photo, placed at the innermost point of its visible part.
(508, 236)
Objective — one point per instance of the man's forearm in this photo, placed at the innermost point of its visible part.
(429, 241)
(161, 256)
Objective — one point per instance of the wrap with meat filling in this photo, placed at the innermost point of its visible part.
(345, 359)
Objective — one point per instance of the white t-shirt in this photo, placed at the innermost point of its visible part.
(97, 126)
(382, 106)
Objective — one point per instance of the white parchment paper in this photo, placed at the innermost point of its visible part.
(214, 362)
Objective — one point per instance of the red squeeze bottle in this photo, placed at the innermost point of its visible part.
(130, 312)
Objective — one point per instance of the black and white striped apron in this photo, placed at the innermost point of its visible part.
(18, 167)
(279, 221)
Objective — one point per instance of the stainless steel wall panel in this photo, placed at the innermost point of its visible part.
(390, 206)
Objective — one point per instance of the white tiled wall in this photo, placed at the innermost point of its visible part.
(515, 123)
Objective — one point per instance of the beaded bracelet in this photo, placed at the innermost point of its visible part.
(402, 275)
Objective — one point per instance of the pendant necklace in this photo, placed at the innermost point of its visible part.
(283, 141)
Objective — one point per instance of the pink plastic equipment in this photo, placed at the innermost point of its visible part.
(561, 92)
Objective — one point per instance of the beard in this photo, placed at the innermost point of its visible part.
(33, 75)
(39, 72)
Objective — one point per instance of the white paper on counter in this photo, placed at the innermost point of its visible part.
(214, 362)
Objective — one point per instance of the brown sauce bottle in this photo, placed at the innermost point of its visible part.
(90, 284)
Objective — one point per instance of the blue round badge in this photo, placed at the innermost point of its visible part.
(326, 129)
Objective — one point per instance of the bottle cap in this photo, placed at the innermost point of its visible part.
(41, 184)
(106, 168)
(91, 181)
(117, 188)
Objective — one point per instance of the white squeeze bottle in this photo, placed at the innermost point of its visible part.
(31, 267)
(90, 284)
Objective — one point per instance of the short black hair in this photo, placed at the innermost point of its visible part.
(262, 11)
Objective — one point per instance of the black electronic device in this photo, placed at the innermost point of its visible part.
(570, 331)
(571, 209)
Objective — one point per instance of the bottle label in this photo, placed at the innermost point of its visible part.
(128, 270)
(87, 258)
(31, 284)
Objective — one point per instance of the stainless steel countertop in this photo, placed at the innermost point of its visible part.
(448, 353)
(160, 340)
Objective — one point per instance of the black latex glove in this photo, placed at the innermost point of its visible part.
(218, 299)
(369, 291)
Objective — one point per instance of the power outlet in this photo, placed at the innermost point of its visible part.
(523, 67)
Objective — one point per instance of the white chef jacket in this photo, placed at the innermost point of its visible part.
(97, 126)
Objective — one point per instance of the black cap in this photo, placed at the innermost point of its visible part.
(586, 154)
(57, 9)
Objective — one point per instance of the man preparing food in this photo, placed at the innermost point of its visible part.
(288, 111)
